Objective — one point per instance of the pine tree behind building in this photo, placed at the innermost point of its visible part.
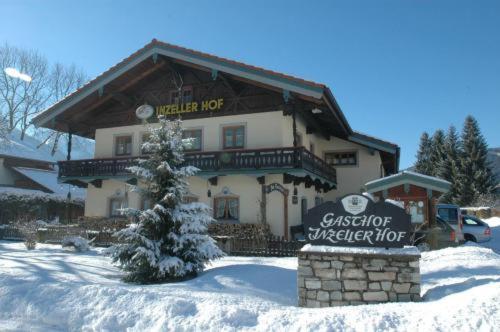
(448, 168)
(437, 154)
(475, 176)
(423, 164)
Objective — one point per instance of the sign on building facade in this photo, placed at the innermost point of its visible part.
(356, 220)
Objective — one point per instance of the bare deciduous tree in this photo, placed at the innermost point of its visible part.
(63, 81)
(21, 99)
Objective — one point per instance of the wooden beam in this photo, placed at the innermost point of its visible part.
(311, 120)
(123, 99)
(108, 95)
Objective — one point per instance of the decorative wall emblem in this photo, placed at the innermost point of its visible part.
(144, 112)
(354, 204)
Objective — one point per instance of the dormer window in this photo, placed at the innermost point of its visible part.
(181, 96)
(175, 97)
(187, 95)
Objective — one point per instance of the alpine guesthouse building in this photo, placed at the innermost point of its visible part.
(269, 146)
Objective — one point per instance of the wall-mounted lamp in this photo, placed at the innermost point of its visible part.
(209, 193)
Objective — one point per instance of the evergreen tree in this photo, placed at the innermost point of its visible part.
(423, 164)
(448, 169)
(437, 154)
(475, 176)
(169, 241)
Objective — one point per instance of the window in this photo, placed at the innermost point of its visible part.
(233, 137)
(226, 208)
(175, 97)
(191, 139)
(116, 205)
(146, 203)
(341, 158)
(303, 208)
(471, 222)
(187, 95)
(123, 145)
(184, 95)
(144, 138)
(318, 200)
(448, 214)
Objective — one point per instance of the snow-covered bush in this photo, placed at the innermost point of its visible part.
(28, 230)
(78, 243)
(169, 241)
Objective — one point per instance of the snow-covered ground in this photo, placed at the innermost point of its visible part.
(494, 243)
(50, 289)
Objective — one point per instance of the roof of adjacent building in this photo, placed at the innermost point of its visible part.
(27, 148)
(408, 177)
(48, 179)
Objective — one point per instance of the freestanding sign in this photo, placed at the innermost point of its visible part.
(356, 220)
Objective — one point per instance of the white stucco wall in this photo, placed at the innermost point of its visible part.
(7, 177)
(263, 130)
(245, 187)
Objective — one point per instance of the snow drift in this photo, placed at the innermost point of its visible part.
(51, 289)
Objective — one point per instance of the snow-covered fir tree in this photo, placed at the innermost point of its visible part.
(437, 154)
(169, 241)
(475, 176)
(449, 166)
(423, 164)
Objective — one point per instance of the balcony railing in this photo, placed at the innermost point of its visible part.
(217, 161)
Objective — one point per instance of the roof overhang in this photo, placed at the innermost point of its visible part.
(389, 152)
(407, 177)
(155, 48)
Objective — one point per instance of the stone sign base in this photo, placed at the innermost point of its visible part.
(347, 276)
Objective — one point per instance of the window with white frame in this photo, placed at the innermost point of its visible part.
(116, 206)
(346, 158)
(192, 139)
(226, 208)
(123, 145)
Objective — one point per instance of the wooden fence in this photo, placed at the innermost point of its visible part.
(270, 246)
(55, 234)
(266, 246)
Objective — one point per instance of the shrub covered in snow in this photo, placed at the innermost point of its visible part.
(76, 242)
(169, 241)
(28, 230)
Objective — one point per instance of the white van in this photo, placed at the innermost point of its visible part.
(451, 214)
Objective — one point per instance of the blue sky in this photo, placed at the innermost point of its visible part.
(397, 68)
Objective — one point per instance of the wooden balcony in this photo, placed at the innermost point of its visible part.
(274, 160)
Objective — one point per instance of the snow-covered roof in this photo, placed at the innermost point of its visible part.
(27, 148)
(409, 177)
(31, 193)
(48, 179)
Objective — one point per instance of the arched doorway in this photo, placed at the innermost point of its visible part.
(279, 188)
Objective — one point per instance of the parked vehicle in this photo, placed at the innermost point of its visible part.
(444, 233)
(475, 229)
(452, 215)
